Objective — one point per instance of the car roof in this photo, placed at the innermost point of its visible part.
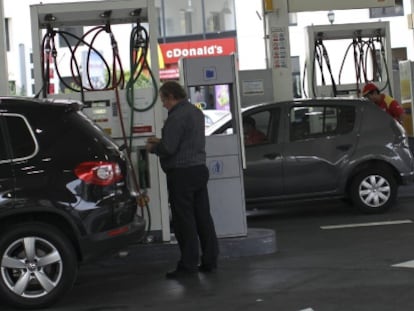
(309, 102)
(296, 101)
(215, 115)
(30, 102)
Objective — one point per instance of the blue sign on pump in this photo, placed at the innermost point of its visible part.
(210, 73)
(216, 167)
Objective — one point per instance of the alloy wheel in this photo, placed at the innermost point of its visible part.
(31, 267)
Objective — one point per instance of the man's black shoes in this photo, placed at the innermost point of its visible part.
(207, 268)
(180, 274)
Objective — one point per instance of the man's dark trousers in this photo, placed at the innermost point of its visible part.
(191, 217)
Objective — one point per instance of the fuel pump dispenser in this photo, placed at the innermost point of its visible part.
(225, 153)
(367, 58)
(129, 114)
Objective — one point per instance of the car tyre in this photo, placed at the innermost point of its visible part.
(38, 265)
(374, 190)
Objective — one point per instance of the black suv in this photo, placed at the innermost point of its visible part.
(64, 198)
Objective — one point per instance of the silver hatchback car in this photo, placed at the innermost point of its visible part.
(323, 148)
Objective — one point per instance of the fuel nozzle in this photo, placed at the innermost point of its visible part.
(47, 46)
(140, 41)
(49, 36)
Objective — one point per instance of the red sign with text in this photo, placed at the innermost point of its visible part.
(172, 52)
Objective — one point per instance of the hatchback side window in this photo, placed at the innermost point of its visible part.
(346, 119)
(299, 123)
(320, 121)
(22, 141)
(256, 128)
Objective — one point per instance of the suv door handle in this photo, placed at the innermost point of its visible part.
(344, 147)
(272, 155)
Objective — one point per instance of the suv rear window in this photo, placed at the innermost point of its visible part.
(20, 137)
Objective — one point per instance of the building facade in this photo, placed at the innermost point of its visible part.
(197, 28)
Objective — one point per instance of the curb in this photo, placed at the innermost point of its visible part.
(257, 242)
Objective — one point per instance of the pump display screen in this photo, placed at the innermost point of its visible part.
(97, 108)
(97, 104)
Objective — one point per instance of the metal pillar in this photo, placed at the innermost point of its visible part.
(278, 49)
(23, 76)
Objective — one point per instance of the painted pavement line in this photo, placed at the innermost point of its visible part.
(406, 264)
(368, 224)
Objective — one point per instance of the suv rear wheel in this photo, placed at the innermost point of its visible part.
(374, 190)
(38, 265)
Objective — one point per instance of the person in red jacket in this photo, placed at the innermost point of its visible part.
(384, 101)
(252, 136)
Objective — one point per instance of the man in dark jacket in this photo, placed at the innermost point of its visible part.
(181, 150)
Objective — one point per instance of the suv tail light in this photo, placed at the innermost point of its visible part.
(99, 173)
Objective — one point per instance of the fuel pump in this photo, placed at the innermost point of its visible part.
(367, 58)
(225, 153)
(111, 99)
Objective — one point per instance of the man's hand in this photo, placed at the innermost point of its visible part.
(151, 142)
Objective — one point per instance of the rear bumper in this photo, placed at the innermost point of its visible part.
(106, 243)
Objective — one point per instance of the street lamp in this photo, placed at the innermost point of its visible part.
(331, 16)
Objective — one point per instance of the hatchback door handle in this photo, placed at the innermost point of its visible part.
(344, 147)
(272, 155)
